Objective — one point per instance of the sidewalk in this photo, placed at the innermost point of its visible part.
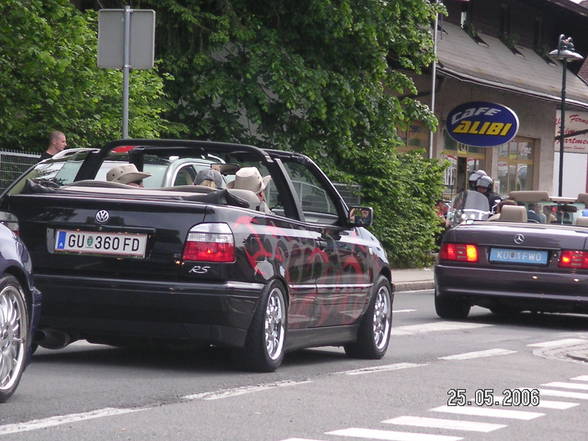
(412, 279)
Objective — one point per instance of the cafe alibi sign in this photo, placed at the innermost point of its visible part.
(482, 124)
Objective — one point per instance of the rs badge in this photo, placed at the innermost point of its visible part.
(199, 269)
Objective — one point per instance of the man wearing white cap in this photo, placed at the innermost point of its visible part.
(127, 174)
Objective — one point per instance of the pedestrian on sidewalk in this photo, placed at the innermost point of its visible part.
(57, 142)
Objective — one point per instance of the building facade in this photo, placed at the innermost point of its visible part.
(496, 51)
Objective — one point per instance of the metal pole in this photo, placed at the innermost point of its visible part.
(433, 80)
(126, 69)
(562, 126)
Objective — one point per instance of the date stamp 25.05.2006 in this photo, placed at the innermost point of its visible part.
(517, 397)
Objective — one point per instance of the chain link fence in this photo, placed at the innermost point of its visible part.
(13, 164)
(351, 193)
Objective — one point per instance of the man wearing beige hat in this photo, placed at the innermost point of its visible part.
(249, 178)
(127, 174)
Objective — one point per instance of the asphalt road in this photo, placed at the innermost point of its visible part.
(91, 392)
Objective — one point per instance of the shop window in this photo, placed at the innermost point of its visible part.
(515, 166)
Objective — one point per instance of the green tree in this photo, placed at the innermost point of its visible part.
(49, 80)
(326, 78)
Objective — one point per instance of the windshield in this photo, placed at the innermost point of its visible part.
(468, 205)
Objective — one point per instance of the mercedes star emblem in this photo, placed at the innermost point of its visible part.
(519, 239)
(102, 216)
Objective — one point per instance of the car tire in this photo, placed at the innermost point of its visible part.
(451, 308)
(266, 340)
(14, 335)
(373, 335)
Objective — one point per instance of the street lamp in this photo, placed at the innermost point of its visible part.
(564, 53)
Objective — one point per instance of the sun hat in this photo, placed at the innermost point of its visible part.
(249, 178)
(126, 174)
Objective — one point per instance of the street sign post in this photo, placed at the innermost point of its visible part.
(126, 40)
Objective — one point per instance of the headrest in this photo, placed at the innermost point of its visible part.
(582, 221)
(513, 213)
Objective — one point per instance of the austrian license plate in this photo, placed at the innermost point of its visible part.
(510, 255)
(94, 242)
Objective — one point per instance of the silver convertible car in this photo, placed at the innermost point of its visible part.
(533, 255)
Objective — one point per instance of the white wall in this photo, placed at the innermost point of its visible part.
(574, 174)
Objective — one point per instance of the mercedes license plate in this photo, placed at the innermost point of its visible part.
(94, 242)
(510, 255)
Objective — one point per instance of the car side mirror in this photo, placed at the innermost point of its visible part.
(361, 216)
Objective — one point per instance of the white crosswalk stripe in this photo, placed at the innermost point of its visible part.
(546, 404)
(487, 412)
(438, 423)
(478, 354)
(563, 394)
(563, 385)
(390, 435)
(440, 326)
(562, 342)
(580, 378)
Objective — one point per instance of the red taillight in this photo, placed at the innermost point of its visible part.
(459, 251)
(573, 259)
(210, 243)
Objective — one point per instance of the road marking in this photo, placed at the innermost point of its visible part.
(478, 354)
(236, 391)
(391, 435)
(563, 394)
(562, 342)
(404, 310)
(494, 413)
(300, 439)
(384, 368)
(438, 423)
(563, 385)
(580, 378)
(546, 404)
(424, 328)
(64, 419)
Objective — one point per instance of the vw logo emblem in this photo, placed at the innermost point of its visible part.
(519, 239)
(102, 216)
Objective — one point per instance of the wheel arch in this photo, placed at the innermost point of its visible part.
(20, 275)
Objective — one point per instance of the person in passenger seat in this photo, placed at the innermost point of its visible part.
(127, 174)
(249, 178)
(209, 178)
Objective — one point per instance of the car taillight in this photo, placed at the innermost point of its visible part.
(210, 243)
(9, 220)
(459, 251)
(573, 259)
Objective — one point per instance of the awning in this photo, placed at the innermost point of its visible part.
(497, 66)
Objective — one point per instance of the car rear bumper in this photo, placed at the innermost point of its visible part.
(99, 308)
(530, 289)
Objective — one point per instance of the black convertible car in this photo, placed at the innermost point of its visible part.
(174, 261)
(532, 256)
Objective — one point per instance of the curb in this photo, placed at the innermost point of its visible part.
(413, 286)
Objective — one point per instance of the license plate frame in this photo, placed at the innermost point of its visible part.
(519, 256)
(101, 243)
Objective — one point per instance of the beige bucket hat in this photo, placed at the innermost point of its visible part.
(249, 178)
(126, 174)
